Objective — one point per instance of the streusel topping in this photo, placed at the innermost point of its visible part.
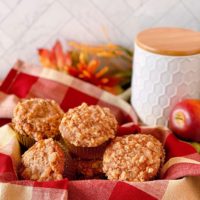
(37, 118)
(133, 158)
(88, 126)
(44, 161)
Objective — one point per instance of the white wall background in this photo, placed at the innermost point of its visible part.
(26, 25)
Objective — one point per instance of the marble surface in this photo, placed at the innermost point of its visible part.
(26, 25)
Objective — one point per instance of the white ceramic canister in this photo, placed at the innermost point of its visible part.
(166, 70)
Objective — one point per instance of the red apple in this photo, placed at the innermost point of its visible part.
(184, 120)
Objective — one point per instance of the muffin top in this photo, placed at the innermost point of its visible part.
(44, 161)
(133, 158)
(88, 126)
(37, 118)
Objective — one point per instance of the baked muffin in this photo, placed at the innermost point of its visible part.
(87, 130)
(35, 119)
(89, 169)
(46, 161)
(133, 158)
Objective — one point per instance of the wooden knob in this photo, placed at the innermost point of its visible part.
(170, 41)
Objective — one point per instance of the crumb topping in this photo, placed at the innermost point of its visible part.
(88, 126)
(133, 158)
(43, 161)
(37, 118)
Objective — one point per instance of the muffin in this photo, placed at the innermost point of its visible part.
(87, 130)
(46, 161)
(36, 119)
(133, 158)
(89, 169)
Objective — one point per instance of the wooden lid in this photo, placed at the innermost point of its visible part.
(170, 41)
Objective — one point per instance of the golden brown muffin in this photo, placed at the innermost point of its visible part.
(87, 130)
(133, 158)
(45, 161)
(35, 119)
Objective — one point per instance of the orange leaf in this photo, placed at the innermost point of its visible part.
(73, 71)
(103, 71)
(104, 80)
(92, 66)
(68, 59)
(59, 55)
(81, 67)
(43, 52)
(52, 59)
(57, 47)
(44, 56)
(82, 58)
(86, 74)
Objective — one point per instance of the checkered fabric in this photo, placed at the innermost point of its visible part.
(179, 177)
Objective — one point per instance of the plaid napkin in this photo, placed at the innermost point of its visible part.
(179, 177)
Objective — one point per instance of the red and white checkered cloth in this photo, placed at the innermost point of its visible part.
(179, 177)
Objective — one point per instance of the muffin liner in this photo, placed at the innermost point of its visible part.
(28, 141)
(69, 168)
(25, 140)
(89, 169)
(87, 152)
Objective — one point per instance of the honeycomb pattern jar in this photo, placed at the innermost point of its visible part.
(166, 70)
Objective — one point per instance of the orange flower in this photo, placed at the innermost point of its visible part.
(77, 64)
(55, 58)
(92, 73)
